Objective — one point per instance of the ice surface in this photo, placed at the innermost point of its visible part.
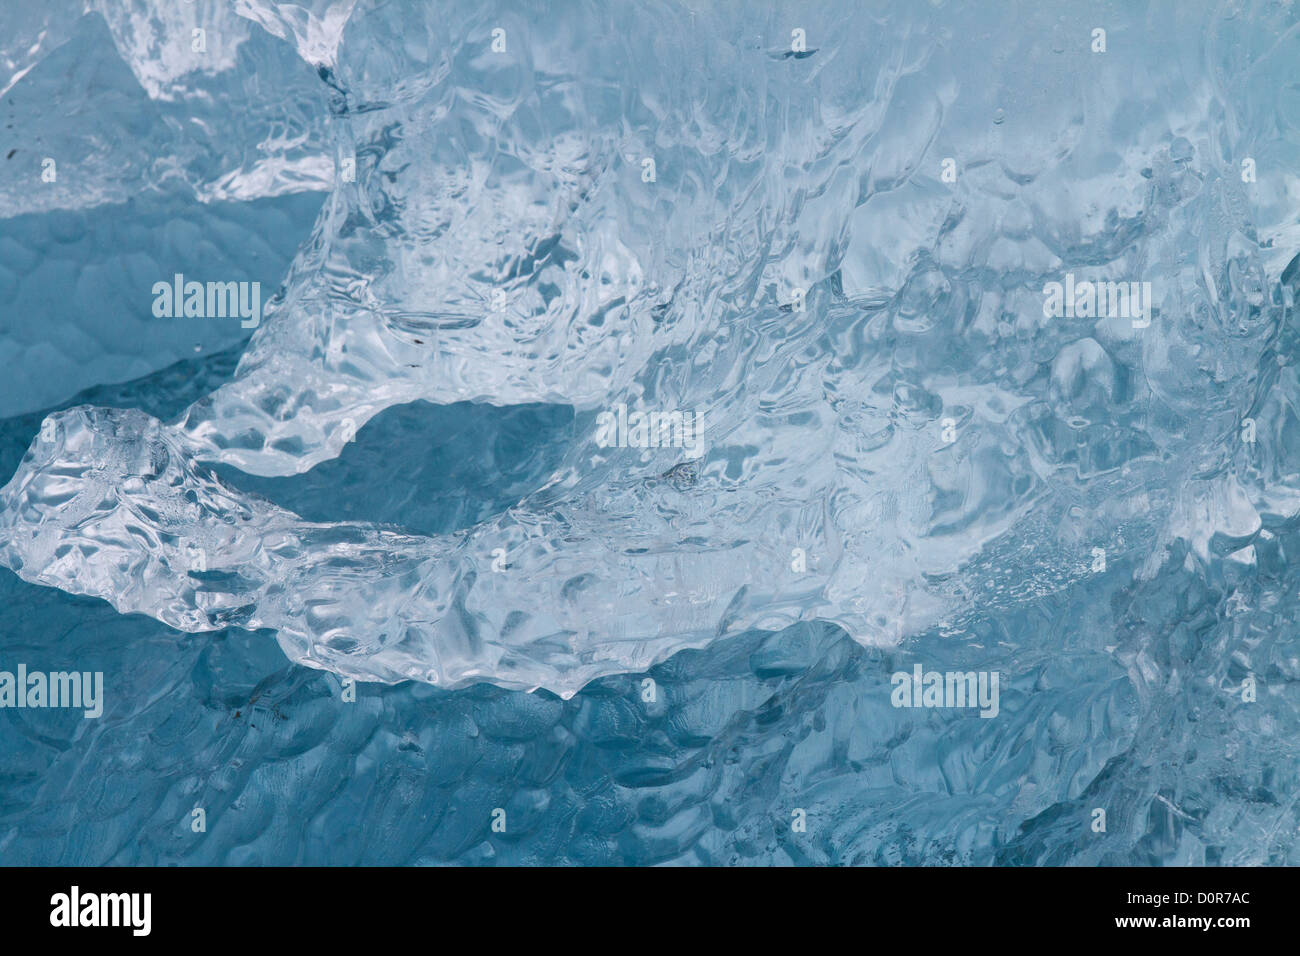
(164, 161)
(501, 245)
(889, 424)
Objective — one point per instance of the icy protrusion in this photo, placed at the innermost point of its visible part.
(107, 504)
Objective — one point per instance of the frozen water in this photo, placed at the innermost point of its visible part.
(836, 257)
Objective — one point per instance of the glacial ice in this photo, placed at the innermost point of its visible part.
(124, 158)
(895, 433)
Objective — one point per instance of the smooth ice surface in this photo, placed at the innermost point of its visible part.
(903, 459)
